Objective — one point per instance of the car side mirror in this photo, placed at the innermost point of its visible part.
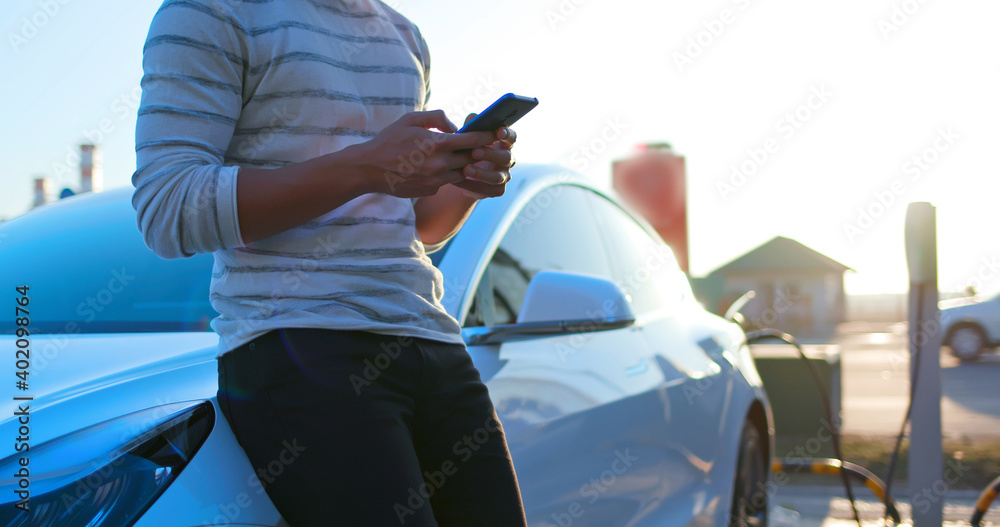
(559, 302)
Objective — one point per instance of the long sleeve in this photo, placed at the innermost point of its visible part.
(194, 62)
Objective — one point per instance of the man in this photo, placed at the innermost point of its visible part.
(283, 136)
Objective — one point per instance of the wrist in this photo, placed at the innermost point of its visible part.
(352, 163)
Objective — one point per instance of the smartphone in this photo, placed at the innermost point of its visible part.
(504, 112)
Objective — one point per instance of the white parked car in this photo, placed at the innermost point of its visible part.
(971, 325)
(625, 402)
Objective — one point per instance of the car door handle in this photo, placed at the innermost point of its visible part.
(640, 368)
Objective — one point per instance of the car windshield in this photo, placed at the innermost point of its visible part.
(87, 270)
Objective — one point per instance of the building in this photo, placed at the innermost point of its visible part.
(797, 289)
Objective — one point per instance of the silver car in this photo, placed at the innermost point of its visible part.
(625, 402)
(971, 325)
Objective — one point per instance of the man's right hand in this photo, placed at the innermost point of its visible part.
(408, 160)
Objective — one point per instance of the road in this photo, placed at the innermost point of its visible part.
(875, 382)
(825, 507)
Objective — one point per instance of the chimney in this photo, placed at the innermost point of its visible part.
(42, 191)
(91, 169)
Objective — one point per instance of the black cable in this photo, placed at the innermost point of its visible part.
(914, 356)
(761, 334)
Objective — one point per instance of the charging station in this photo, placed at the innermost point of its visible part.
(926, 458)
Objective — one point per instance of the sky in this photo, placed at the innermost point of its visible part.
(814, 121)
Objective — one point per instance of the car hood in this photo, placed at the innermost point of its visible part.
(958, 302)
(78, 380)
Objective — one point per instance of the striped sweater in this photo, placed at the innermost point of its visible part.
(264, 84)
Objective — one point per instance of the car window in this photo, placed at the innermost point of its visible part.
(554, 231)
(644, 267)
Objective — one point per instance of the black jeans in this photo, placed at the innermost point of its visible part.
(349, 428)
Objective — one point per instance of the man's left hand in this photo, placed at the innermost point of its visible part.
(488, 177)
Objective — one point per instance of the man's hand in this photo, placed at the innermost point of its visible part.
(407, 159)
(488, 176)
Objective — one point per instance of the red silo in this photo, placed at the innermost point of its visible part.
(654, 182)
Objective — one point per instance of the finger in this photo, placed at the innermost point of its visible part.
(478, 187)
(470, 117)
(499, 157)
(486, 175)
(430, 119)
(452, 177)
(464, 140)
(457, 160)
(507, 137)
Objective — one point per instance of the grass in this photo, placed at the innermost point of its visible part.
(969, 464)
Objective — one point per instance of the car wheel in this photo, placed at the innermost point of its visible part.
(750, 487)
(967, 342)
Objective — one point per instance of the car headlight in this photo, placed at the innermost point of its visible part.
(107, 474)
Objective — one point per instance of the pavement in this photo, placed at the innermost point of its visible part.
(875, 383)
(826, 507)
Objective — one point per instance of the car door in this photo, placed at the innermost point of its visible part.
(991, 319)
(695, 387)
(576, 408)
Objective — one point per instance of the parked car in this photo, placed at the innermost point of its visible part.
(625, 402)
(971, 325)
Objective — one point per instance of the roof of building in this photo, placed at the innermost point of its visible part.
(782, 254)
